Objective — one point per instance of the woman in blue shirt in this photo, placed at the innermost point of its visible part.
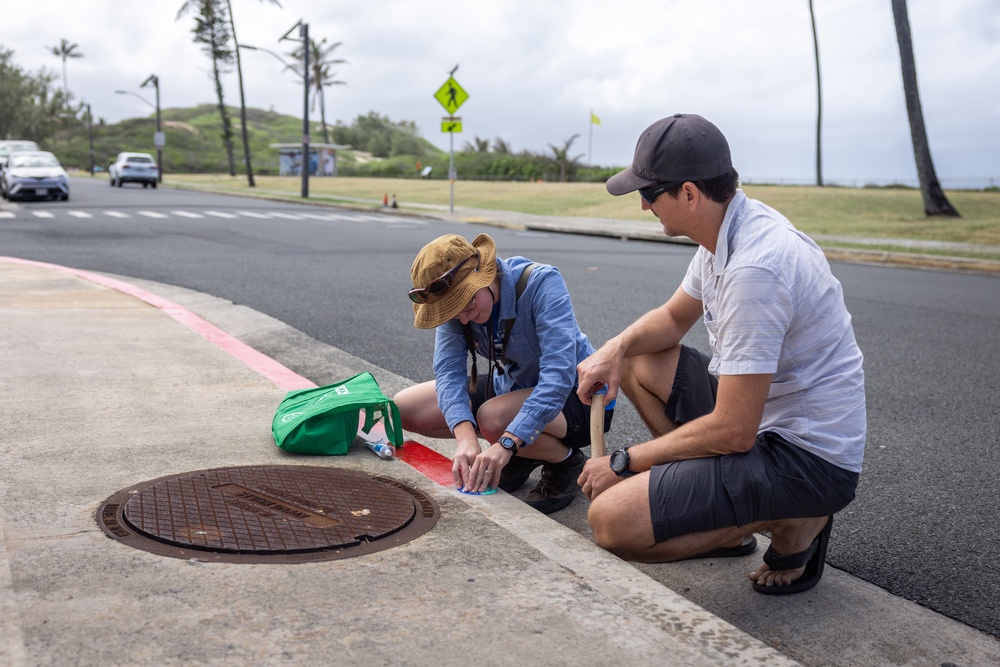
(518, 316)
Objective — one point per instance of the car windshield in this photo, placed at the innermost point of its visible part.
(7, 149)
(33, 161)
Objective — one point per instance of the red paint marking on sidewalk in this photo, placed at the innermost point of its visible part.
(426, 461)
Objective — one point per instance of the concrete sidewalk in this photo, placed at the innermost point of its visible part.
(102, 391)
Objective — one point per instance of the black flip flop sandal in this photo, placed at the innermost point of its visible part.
(814, 558)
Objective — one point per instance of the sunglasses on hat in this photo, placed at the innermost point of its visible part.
(439, 286)
(653, 191)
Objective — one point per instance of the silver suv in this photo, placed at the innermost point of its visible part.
(133, 168)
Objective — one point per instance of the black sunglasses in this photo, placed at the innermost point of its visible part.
(439, 286)
(653, 191)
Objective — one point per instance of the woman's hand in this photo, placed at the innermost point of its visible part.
(465, 457)
(485, 472)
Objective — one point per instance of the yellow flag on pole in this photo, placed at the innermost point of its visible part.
(594, 119)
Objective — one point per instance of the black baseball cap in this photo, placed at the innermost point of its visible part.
(679, 148)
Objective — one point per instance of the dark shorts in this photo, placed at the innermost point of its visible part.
(774, 480)
(577, 416)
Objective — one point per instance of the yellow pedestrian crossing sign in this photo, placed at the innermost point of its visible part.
(451, 95)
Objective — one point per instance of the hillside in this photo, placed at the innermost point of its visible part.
(194, 140)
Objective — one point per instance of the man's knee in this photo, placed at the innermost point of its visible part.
(607, 520)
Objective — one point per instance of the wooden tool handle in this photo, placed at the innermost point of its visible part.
(596, 425)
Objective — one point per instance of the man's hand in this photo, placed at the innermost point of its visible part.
(603, 367)
(597, 477)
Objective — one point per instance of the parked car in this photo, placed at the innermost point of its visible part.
(9, 146)
(134, 168)
(34, 174)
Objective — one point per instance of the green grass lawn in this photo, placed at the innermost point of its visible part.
(867, 212)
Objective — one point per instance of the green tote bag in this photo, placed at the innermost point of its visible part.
(325, 420)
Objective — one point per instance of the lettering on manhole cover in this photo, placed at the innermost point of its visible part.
(267, 514)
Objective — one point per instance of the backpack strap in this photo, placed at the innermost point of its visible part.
(522, 283)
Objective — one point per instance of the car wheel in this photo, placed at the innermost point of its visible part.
(119, 182)
(154, 184)
(111, 181)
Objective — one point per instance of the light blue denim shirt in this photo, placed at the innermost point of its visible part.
(544, 347)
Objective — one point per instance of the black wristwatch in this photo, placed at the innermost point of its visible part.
(619, 463)
(508, 443)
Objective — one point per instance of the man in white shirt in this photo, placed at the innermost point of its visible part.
(765, 434)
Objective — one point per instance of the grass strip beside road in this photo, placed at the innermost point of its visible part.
(872, 213)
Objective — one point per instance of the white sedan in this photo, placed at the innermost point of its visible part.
(134, 168)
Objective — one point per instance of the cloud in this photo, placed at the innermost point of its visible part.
(534, 71)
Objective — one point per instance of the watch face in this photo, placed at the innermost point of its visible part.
(619, 460)
(508, 443)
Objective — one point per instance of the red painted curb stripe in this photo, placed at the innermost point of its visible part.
(424, 460)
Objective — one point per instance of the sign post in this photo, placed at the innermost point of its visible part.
(451, 96)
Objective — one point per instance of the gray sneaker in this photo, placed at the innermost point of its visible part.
(558, 486)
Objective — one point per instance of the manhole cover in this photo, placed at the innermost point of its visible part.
(267, 514)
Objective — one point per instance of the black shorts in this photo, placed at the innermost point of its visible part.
(576, 413)
(774, 480)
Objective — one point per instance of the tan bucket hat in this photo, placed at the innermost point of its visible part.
(439, 257)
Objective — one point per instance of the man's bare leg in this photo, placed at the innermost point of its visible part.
(620, 519)
(788, 537)
(647, 380)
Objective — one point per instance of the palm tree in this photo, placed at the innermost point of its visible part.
(320, 76)
(65, 50)
(188, 4)
(935, 202)
(819, 101)
(479, 146)
(212, 31)
(567, 165)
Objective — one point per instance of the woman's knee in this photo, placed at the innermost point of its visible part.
(418, 409)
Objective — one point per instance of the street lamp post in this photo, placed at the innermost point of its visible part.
(155, 81)
(158, 139)
(90, 138)
(304, 38)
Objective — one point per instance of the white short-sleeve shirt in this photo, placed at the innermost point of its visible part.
(772, 305)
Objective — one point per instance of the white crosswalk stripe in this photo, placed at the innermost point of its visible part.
(235, 215)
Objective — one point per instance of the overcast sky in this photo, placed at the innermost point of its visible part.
(534, 70)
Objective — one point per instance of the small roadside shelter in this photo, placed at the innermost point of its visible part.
(322, 159)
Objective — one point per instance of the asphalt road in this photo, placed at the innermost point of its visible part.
(924, 524)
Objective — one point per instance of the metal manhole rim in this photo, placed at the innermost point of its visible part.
(111, 515)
